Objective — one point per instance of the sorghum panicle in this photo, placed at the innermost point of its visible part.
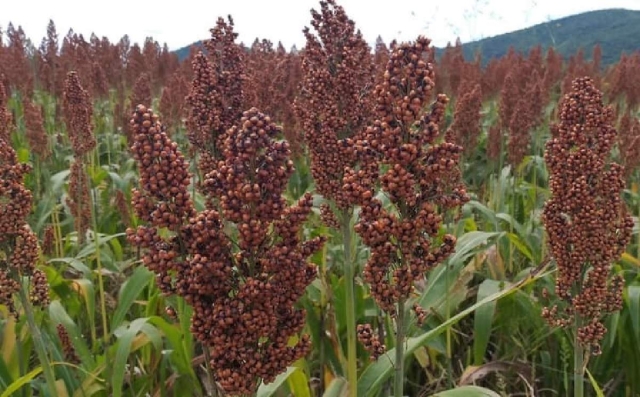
(228, 59)
(334, 103)
(206, 124)
(172, 100)
(586, 220)
(78, 112)
(466, 126)
(422, 178)
(629, 143)
(370, 341)
(242, 295)
(17, 241)
(6, 120)
(141, 93)
(36, 135)
(67, 346)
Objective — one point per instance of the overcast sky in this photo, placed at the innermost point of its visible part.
(182, 22)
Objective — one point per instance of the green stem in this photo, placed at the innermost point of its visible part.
(38, 342)
(398, 389)
(349, 275)
(578, 360)
(103, 302)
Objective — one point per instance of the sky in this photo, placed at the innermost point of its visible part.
(179, 23)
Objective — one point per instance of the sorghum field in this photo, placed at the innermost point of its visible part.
(336, 221)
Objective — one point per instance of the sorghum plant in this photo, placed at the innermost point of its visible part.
(466, 126)
(629, 143)
(78, 112)
(20, 251)
(6, 120)
(334, 105)
(36, 135)
(242, 284)
(421, 178)
(172, 100)
(216, 97)
(586, 220)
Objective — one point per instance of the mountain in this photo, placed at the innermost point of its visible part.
(183, 52)
(616, 30)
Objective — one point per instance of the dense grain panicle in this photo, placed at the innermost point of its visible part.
(67, 346)
(19, 250)
(586, 220)
(36, 134)
(422, 178)
(466, 126)
(172, 100)
(6, 121)
(141, 93)
(78, 112)
(243, 292)
(206, 125)
(334, 103)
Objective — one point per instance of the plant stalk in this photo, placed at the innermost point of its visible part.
(578, 360)
(96, 239)
(349, 275)
(38, 342)
(398, 389)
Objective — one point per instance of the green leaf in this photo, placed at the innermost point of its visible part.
(179, 356)
(467, 391)
(90, 248)
(122, 354)
(87, 291)
(520, 245)
(483, 319)
(21, 381)
(594, 384)
(299, 384)
(59, 315)
(376, 374)
(5, 376)
(633, 293)
(469, 243)
(129, 291)
(337, 388)
(268, 390)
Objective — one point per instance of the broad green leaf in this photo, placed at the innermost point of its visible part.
(21, 381)
(520, 245)
(594, 384)
(179, 356)
(74, 263)
(377, 373)
(123, 350)
(268, 390)
(299, 383)
(90, 248)
(337, 388)
(483, 319)
(5, 377)
(467, 391)
(86, 289)
(59, 315)
(129, 291)
(467, 244)
(8, 340)
(633, 292)
(58, 180)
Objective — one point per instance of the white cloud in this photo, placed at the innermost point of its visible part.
(179, 23)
